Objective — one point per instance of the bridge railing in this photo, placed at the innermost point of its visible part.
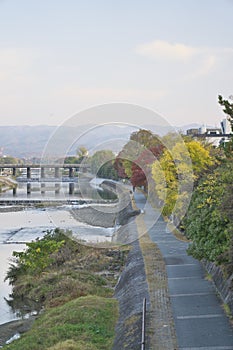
(143, 341)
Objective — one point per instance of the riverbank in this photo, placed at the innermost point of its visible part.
(10, 329)
(79, 278)
(96, 215)
(105, 216)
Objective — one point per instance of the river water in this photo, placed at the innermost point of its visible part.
(20, 227)
(6, 314)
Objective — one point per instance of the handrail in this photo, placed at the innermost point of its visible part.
(143, 342)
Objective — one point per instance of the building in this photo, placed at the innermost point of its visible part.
(215, 136)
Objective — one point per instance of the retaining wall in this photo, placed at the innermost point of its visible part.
(224, 286)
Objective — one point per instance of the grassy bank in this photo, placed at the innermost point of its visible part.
(85, 323)
(73, 285)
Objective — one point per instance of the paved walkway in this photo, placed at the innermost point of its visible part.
(200, 321)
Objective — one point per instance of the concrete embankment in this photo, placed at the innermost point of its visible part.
(110, 214)
(132, 286)
(130, 291)
(224, 286)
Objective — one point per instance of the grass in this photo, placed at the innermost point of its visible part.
(228, 312)
(76, 294)
(209, 277)
(176, 232)
(83, 323)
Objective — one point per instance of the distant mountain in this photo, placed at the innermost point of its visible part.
(30, 141)
(24, 141)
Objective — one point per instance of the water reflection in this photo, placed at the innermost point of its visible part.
(60, 191)
(6, 313)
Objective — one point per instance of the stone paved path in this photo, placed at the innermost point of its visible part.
(200, 321)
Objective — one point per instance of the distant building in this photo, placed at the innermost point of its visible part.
(226, 126)
(192, 132)
(216, 136)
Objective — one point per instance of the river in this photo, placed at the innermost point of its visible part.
(20, 227)
(6, 314)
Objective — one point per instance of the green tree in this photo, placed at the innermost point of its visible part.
(37, 257)
(209, 220)
(227, 109)
(82, 153)
(144, 137)
(102, 164)
(10, 160)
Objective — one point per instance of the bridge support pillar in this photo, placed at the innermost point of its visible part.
(57, 188)
(42, 188)
(71, 172)
(57, 171)
(28, 172)
(42, 172)
(14, 191)
(71, 188)
(14, 171)
(29, 188)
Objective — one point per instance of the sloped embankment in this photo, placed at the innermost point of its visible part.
(224, 286)
(130, 291)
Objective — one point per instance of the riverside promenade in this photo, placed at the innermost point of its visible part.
(199, 319)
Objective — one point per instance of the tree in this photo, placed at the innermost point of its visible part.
(136, 155)
(228, 109)
(141, 167)
(127, 156)
(209, 219)
(37, 257)
(145, 138)
(119, 167)
(10, 160)
(102, 164)
(174, 174)
(82, 153)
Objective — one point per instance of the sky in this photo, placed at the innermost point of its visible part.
(59, 57)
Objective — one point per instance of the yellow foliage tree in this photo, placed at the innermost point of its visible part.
(175, 173)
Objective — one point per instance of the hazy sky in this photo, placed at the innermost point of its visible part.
(58, 57)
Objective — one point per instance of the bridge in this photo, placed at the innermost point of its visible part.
(43, 167)
(46, 173)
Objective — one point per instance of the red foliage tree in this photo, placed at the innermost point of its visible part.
(140, 167)
(118, 165)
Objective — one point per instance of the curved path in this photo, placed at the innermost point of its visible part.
(200, 321)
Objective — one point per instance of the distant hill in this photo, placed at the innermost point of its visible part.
(30, 141)
(24, 141)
